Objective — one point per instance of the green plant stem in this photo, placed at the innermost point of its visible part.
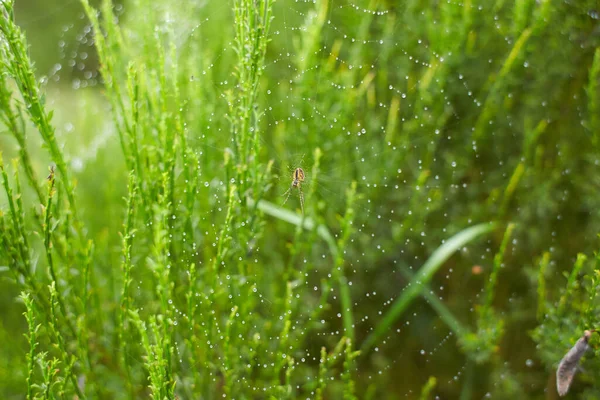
(22, 70)
(490, 288)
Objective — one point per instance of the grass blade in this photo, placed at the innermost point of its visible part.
(437, 259)
(298, 220)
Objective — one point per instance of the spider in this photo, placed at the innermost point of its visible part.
(297, 179)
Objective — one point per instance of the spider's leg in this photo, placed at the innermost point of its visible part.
(287, 195)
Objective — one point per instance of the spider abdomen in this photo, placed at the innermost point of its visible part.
(298, 177)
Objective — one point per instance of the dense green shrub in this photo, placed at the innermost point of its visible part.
(436, 246)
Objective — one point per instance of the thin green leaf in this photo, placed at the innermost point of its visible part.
(413, 289)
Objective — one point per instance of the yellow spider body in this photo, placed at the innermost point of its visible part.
(297, 179)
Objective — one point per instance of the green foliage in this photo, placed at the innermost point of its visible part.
(165, 264)
(565, 320)
(428, 388)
